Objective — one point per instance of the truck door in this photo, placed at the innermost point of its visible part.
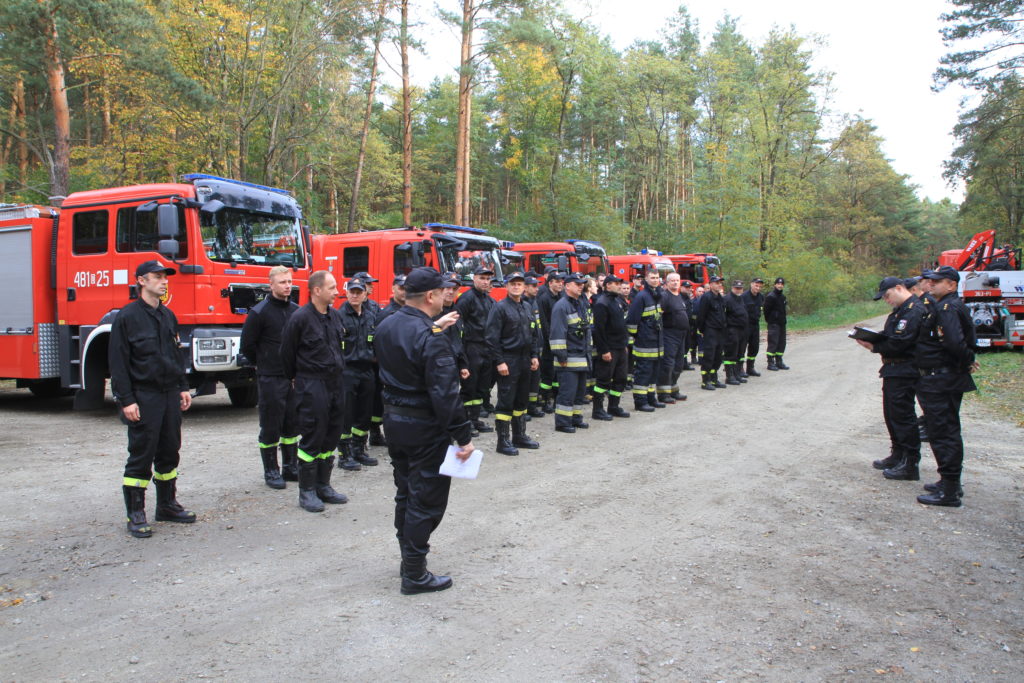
(88, 279)
(136, 241)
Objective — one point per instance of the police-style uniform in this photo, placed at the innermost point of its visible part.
(147, 369)
(423, 415)
(261, 344)
(570, 346)
(312, 356)
(610, 337)
(377, 411)
(775, 316)
(676, 324)
(535, 405)
(513, 339)
(711, 322)
(754, 303)
(735, 334)
(644, 322)
(546, 300)
(377, 419)
(360, 380)
(474, 306)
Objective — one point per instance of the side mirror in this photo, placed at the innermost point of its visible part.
(583, 258)
(167, 221)
(563, 263)
(212, 206)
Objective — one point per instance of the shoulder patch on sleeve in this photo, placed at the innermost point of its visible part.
(945, 307)
(435, 329)
(910, 306)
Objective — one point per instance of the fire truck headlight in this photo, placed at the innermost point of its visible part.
(213, 344)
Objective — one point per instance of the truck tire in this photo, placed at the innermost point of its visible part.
(49, 388)
(245, 396)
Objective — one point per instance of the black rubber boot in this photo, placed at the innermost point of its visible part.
(771, 364)
(289, 461)
(168, 509)
(597, 411)
(652, 399)
(504, 429)
(892, 460)
(547, 401)
(478, 424)
(641, 405)
(779, 364)
(751, 372)
(666, 398)
(614, 409)
(345, 459)
(741, 373)
(716, 382)
(416, 578)
(520, 438)
(376, 437)
(578, 423)
(323, 482)
(359, 454)
(271, 475)
(677, 395)
(948, 494)
(135, 505)
(933, 488)
(730, 375)
(308, 499)
(905, 469)
(535, 409)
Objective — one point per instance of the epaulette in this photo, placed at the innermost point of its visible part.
(435, 329)
(910, 306)
(945, 307)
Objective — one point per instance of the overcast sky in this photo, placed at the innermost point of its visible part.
(882, 54)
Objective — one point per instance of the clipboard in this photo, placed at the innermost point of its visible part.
(866, 334)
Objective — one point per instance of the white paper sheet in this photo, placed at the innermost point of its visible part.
(468, 469)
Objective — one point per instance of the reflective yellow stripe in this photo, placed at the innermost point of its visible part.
(305, 457)
(173, 474)
(565, 411)
(267, 445)
(646, 354)
(599, 390)
(137, 483)
(377, 419)
(545, 386)
(639, 390)
(612, 392)
(631, 328)
(325, 455)
(575, 364)
(504, 417)
(288, 440)
(518, 413)
(358, 432)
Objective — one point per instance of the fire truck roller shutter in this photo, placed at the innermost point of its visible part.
(16, 281)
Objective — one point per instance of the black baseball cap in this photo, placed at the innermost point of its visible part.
(757, 279)
(365, 277)
(575, 277)
(685, 283)
(399, 280)
(611, 277)
(942, 273)
(885, 285)
(531, 280)
(716, 278)
(780, 280)
(423, 279)
(153, 267)
(516, 275)
(450, 280)
(737, 283)
(483, 270)
(555, 275)
(911, 282)
(355, 283)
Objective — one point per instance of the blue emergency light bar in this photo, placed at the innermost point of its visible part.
(206, 176)
(461, 228)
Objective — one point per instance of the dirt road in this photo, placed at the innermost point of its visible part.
(741, 535)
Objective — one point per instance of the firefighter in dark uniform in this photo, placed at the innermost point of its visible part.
(473, 306)
(394, 304)
(735, 333)
(261, 344)
(611, 341)
(686, 291)
(424, 413)
(676, 330)
(377, 412)
(711, 322)
(359, 376)
(312, 357)
(548, 296)
(899, 377)
(534, 409)
(775, 316)
(644, 323)
(450, 285)
(147, 377)
(753, 301)
(944, 356)
(513, 343)
(570, 345)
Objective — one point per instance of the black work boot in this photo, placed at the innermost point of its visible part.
(666, 398)
(948, 494)
(677, 395)
(308, 499)
(779, 364)
(168, 509)
(614, 409)
(597, 412)
(323, 482)
(478, 424)
(376, 437)
(741, 373)
(547, 401)
(771, 364)
(289, 461)
(891, 461)
(535, 409)
(641, 405)
(751, 372)
(905, 469)
(922, 431)
(359, 454)
(718, 384)
(578, 423)
(933, 488)
(416, 578)
(519, 436)
(504, 429)
(345, 459)
(135, 504)
(730, 375)
(271, 475)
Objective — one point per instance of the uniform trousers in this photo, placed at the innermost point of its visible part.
(752, 344)
(572, 390)
(645, 374)
(155, 439)
(360, 382)
(672, 362)
(548, 379)
(278, 419)
(610, 375)
(735, 340)
(321, 414)
(478, 385)
(776, 339)
(714, 345)
(900, 416)
(514, 388)
(942, 421)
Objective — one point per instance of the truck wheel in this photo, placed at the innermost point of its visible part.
(244, 396)
(49, 388)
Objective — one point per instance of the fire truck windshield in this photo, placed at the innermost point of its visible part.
(240, 236)
(464, 261)
(591, 258)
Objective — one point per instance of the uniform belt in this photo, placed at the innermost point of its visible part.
(925, 372)
(408, 412)
(894, 361)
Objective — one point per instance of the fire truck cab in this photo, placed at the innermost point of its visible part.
(71, 269)
(697, 268)
(628, 266)
(573, 256)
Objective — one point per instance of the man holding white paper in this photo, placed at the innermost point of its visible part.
(423, 414)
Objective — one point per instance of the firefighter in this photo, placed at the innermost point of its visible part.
(570, 346)
(611, 339)
(944, 356)
(450, 285)
(261, 344)
(548, 296)
(686, 292)
(312, 357)
(753, 301)
(645, 325)
(534, 409)
(712, 324)
(424, 413)
(696, 342)
(513, 344)
(147, 378)
(676, 324)
(359, 376)
(473, 307)
(735, 333)
(899, 377)
(775, 316)
(394, 304)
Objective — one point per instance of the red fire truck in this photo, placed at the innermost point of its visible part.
(627, 266)
(71, 268)
(576, 256)
(386, 253)
(697, 268)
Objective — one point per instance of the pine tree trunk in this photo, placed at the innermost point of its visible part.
(357, 181)
(53, 62)
(406, 120)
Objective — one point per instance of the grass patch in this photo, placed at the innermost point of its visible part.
(1001, 384)
(836, 316)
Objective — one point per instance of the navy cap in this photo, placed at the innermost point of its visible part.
(153, 267)
(611, 277)
(531, 280)
(685, 283)
(942, 273)
(927, 273)
(423, 279)
(399, 280)
(911, 282)
(575, 277)
(757, 279)
(555, 275)
(355, 283)
(483, 270)
(716, 278)
(365, 277)
(737, 283)
(780, 280)
(885, 285)
(450, 279)
(532, 273)
(516, 275)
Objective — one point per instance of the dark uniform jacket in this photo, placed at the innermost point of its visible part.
(775, 307)
(418, 370)
(512, 331)
(261, 334)
(454, 333)
(392, 308)
(901, 330)
(644, 322)
(711, 312)
(473, 307)
(144, 353)
(357, 343)
(675, 312)
(311, 344)
(610, 332)
(753, 303)
(570, 334)
(545, 303)
(945, 343)
(735, 311)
